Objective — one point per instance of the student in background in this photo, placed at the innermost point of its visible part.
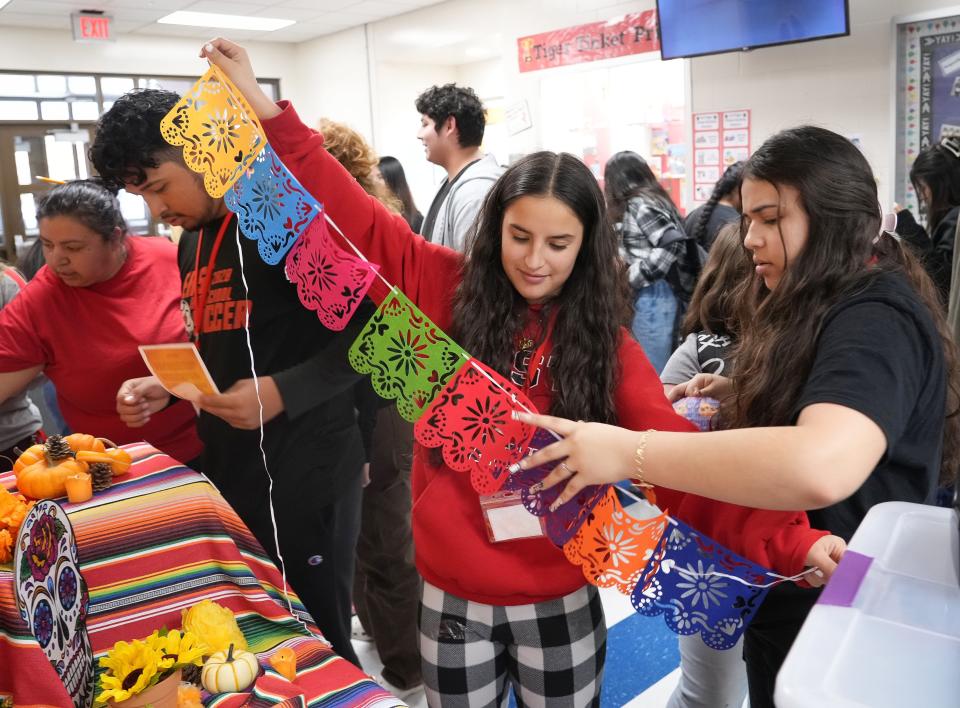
(663, 261)
(452, 122)
(935, 175)
(392, 173)
(19, 418)
(386, 586)
(704, 223)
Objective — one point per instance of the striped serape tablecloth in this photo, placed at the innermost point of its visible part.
(158, 541)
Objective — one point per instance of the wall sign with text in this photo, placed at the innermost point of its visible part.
(720, 138)
(631, 34)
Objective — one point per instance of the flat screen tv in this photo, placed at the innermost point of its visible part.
(692, 28)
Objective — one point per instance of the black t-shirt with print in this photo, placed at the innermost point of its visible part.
(315, 441)
(877, 353)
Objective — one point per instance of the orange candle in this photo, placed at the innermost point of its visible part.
(79, 488)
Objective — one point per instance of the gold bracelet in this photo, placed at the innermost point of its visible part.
(638, 456)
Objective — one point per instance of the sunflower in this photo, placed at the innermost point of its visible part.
(176, 649)
(130, 669)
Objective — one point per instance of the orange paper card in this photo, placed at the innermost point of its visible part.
(179, 368)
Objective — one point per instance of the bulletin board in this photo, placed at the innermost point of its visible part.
(927, 91)
(720, 138)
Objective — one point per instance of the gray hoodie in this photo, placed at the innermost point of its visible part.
(462, 204)
(18, 416)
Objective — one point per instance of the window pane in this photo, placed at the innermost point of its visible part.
(85, 110)
(48, 85)
(133, 208)
(107, 105)
(22, 158)
(82, 159)
(180, 86)
(28, 210)
(60, 159)
(18, 110)
(54, 110)
(269, 89)
(28, 155)
(115, 86)
(17, 85)
(83, 86)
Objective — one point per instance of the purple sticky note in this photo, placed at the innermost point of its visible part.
(845, 582)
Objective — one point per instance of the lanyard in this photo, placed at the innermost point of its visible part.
(200, 298)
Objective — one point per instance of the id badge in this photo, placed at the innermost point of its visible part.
(507, 519)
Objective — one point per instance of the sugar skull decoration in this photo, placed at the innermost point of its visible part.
(52, 597)
(699, 411)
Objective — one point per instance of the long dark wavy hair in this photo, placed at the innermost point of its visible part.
(728, 185)
(938, 169)
(842, 254)
(593, 305)
(627, 175)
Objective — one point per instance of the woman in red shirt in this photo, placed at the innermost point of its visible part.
(101, 294)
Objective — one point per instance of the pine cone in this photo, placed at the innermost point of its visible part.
(191, 674)
(102, 476)
(57, 448)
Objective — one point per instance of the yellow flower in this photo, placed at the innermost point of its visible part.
(213, 625)
(176, 649)
(130, 669)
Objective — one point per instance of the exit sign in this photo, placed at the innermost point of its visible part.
(91, 27)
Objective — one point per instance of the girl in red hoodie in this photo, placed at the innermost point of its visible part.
(541, 298)
(845, 392)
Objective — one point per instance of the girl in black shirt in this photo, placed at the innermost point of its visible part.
(845, 392)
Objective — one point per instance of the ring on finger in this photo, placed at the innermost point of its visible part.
(566, 468)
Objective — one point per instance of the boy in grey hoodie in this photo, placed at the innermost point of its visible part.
(452, 122)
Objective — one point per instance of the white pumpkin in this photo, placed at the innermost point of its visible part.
(230, 671)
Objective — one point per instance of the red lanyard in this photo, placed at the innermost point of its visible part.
(200, 299)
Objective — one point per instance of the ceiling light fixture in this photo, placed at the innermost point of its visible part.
(213, 19)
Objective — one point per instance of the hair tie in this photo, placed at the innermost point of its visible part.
(888, 225)
(951, 144)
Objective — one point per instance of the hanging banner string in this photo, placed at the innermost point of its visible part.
(263, 452)
(497, 384)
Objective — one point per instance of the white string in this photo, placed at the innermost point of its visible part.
(780, 578)
(360, 255)
(263, 453)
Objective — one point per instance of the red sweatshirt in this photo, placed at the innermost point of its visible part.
(453, 551)
(86, 341)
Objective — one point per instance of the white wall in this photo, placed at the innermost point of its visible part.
(331, 79)
(28, 49)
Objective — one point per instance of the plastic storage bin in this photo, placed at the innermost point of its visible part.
(886, 630)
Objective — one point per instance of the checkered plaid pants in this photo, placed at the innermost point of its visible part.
(551, 652)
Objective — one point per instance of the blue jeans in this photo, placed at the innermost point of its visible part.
(655, 321)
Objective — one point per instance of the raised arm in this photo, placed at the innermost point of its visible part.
(423, 271)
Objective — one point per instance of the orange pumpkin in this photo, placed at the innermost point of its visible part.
(82, 441)
(47, 479)
(118, 459)
(33, 454)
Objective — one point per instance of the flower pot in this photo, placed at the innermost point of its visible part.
(162, 695)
